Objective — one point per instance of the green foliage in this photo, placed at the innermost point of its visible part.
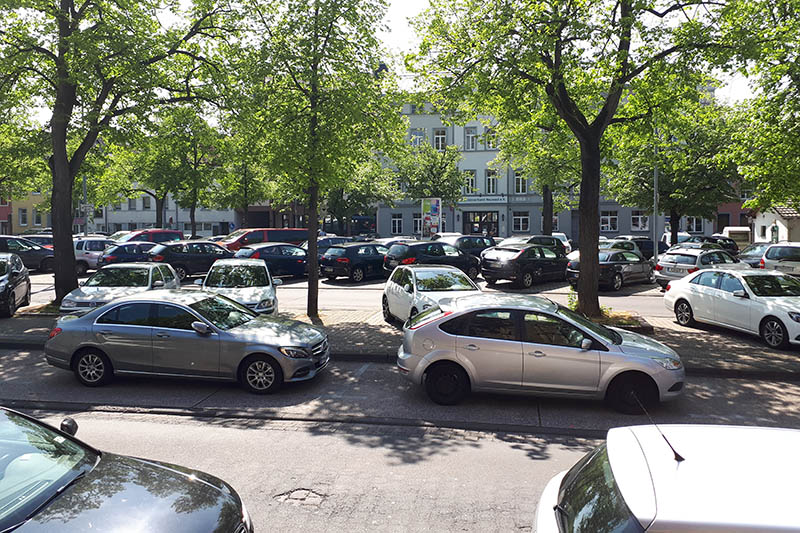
(430, 173)
(23, 166)
(372, 183)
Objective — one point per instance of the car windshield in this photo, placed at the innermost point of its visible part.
(117, 235)
(119, 277)
(590, 500)
(773, 285)
(37, 462)
(609, 335)
(679, 259)
(335, 252)
(755, 249)
(433, 281)
(235, 235)
(304, 245)
(237, 276)
(223, 312)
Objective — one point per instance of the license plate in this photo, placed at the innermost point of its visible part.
(328, 269)
(675, 270)
(393, 263)
(785, 268)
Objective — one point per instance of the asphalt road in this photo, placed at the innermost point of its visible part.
(297, 476)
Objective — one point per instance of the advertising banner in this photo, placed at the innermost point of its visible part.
(431, 216)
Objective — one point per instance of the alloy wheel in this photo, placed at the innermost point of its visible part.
(527, 279)
(181, 272)
(91, 368)
(683, 313)
(617, 282)
(358, 275)
(773, 333)
(260, 375)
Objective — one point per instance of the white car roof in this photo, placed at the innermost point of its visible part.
(732, 478)
(490, 300)
(239, 261)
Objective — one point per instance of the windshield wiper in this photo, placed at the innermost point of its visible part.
(59, 491)
(563, 515)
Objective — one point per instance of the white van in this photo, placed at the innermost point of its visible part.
(740, 235)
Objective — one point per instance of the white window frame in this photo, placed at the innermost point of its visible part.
(416, 224)
(37, 217)
(520, 183)
(640, 221)
(470, 187)
(491, 181)
(417, 136)
(131, 202)
(440, 139)
(470, 138)
(520, 221)
(146, 203)
(20, 212)
(745, 193)
(397, 223)
(490, 138)
(609, 221)
(692, 223)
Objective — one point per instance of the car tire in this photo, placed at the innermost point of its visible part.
(81, 268)
(387, 314)
(472, 273)
(10, 307)
(526, 280)
(616, 282)
(626, 388)
(446, 383)
(357, 275)
(260, 374)
(93, 368)
(27, 301)
(684, 314)
(651, 278)
(774, 333)
(181, 271)
(46, 265)
(490, 281)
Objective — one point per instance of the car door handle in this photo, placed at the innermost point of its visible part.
(105, 332)
(471, 347)
(162, 335)
(537, 353)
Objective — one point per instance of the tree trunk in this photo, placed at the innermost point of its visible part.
(547, 210)
(588, 302)
(192, 220)
(313, 261)
(674, 224)
(245, 196)
(159, 211)
(245, 214)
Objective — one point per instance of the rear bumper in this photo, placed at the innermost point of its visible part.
(408, 365)
(334, 270)
(663, 278)
(499, 273)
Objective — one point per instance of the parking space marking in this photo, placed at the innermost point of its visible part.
(360, 371)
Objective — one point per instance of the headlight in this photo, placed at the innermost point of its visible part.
(669, 363)
(794, 316)
(295, 352)
(265, 303)
(68, 303)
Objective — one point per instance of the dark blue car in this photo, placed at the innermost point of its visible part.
(282, 259)
(126, 253)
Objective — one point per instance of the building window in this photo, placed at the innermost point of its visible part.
(187, 226)
(490, 139)
(723, 220)
(745, 193)
(639, 221)
(145, 202)
(762, 232)
(521, 221)
(131, 226)
(131, 204)
(117, 207)
(37, 217)
(491, 182)
(744, 220)
(440, 139)
(520, 183)
(608, 221)
(397, 223)
(417, 136)
(470, 138)
(555, 222)
(469, 183)
(98, 213)
(3, 202)
(694, 224)
(412, 109)
(23, 216)
(117, 226)
(417, 223)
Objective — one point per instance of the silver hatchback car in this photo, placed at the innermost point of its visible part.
(519, 343)
(194, 334)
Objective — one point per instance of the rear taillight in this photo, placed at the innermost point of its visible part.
(342, 260)
(658, 267)
(668, 286)
(54, 332)
(569, 265)
(761, 263)
(408, 260)
(692, 270)
(430, 320)
(110, 258)
(256, 255)
(158, 258)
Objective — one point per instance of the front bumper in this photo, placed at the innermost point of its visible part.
(303, 369)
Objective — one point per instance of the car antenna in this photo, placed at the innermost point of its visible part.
(678, 457)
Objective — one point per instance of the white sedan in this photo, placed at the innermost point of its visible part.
(245, 280)
(412, 289)
(759, 302)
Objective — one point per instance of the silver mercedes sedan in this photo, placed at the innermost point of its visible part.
(194, 334)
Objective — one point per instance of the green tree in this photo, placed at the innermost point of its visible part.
(372, 183)
(91, 62)
(318, 82)
(243, 179)
(430, 173)
(23, 165)
(589, 63)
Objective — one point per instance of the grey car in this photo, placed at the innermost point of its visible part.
(194, 334)
(678, 262)
(517, 343)
(115, 281)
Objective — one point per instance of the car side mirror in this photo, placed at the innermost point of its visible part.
(198, 281)
(277, 282)
(69, 426)
(586, 345)
(157, 284)
(407, 287)
(740, 294)
(81, 283)
(201, 328)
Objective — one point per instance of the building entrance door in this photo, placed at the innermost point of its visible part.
(481, 223)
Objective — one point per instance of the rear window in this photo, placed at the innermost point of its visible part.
(158, 249)
(335, 252)
(244, 252)
(783, 253)
(755, 249)
(162, 236)
(398, 250)
(287, 235)
(679, 259)
(502, 254)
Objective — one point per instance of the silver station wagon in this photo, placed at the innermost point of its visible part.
(519, 343)
(187, 333)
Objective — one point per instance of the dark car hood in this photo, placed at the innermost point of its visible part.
(125, 493)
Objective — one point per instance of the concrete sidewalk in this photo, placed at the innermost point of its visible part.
(364, 336)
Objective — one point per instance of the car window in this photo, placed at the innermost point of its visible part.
(631, 257)
(237, 276)
(195, 248)
(223, 312)
(147, 246)
(163, 236)
(727, 258)
(157, 275)
(434, 250)
(253, 237)
(176, 249)
(213, 249)
(617, 257)
(548, 253)
(293, 251)
(397, 275)
(78, 245)
(707, 279)
(534, 253)
(540, 328)
(398, 250)
(119, 277)
(365, 251)
(450, 251)
(765, 285)
(447, 280)
(730, 283)
(95, 246)
(17, 263)
(173, 317)
(167, 273)
(678, 259)
(778, 253)
(492, 325)
(711, 259)
(136, 314)
(382, 249)
(407, 278)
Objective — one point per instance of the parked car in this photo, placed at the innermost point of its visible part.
(431, 253)
(617, 268)
(282, 259)
(54, 482)
(754, 253)
(726, 243)
(443, 234)
(414, 288)
(250, 236)
(523, 343)
(391, 241)
(524, 264)
(677, 478)
(34, 256)
(645, 245)
(544, 240)
(88, 252)
(246, 281)
(189, 333)
(15, 284)
(564, 240)
(608, 245)
(682, 261)
(784, 257)
(117, 235)
(682, 236)
(188, 258)
(115, 281)
(357, 261)
(152, 235)
(764, 303)
(217, 238)
(125, 253)
(470, 244)
(695, 246)
(323, 243)
(45, 240)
